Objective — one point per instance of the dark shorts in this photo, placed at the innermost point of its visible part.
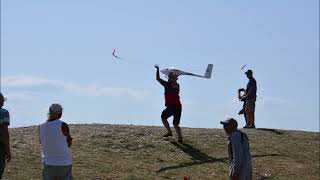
(174, 111)
(57, 172)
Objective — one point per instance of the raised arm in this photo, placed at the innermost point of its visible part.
(157, 73)
(161, 81)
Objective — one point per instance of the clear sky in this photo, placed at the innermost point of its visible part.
(60, 51)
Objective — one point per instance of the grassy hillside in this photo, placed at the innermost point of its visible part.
(138, 152)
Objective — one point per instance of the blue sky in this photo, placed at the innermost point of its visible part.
(60, 51)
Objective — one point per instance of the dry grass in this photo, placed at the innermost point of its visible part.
(137, 152)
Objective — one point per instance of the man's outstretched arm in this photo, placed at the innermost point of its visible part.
(161, 81)
(157, 74)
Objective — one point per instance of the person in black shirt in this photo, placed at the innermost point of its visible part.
(249, 99)
(5, 154)
(172, 103)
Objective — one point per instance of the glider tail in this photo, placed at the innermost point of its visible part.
(208, 71)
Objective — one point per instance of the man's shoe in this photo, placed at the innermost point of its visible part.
(167, 135)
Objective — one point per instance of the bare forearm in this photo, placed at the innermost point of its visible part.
(158, 75)
(69, 140)
(239, 95)
(249, 92)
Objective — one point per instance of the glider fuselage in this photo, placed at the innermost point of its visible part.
(178, 72)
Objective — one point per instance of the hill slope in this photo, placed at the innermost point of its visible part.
(138, 152)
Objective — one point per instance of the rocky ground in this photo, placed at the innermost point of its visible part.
(124, 152)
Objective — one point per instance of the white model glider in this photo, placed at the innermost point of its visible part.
(178, 72)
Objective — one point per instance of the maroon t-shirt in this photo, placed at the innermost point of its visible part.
(171, 93)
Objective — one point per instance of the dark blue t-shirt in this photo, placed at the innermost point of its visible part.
(252, 84)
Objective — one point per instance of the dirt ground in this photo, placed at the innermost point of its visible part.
(125, 152)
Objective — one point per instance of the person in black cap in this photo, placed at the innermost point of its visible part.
(249, 99)
(239, 153)
(5, 154)
(172, 103)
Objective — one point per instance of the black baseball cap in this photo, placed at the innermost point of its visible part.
(249, 72)
(230, 121)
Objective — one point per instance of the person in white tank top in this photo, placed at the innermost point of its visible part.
(55, 140)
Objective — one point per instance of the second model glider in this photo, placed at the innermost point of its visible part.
(114, 54)
(178, 72)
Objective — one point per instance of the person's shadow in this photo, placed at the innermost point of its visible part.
(199, 157)
(196, 155)
(272, 130)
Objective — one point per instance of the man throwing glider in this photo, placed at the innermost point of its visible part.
(172, 103)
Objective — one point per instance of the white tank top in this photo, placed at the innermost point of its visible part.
(54, 146)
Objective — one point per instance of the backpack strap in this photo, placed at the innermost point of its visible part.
(245, 135)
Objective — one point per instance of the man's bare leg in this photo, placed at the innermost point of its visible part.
(167, 126)
(178, 130)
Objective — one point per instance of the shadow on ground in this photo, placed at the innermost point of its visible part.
(271, 130)
(199, 157)
(196, 155)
